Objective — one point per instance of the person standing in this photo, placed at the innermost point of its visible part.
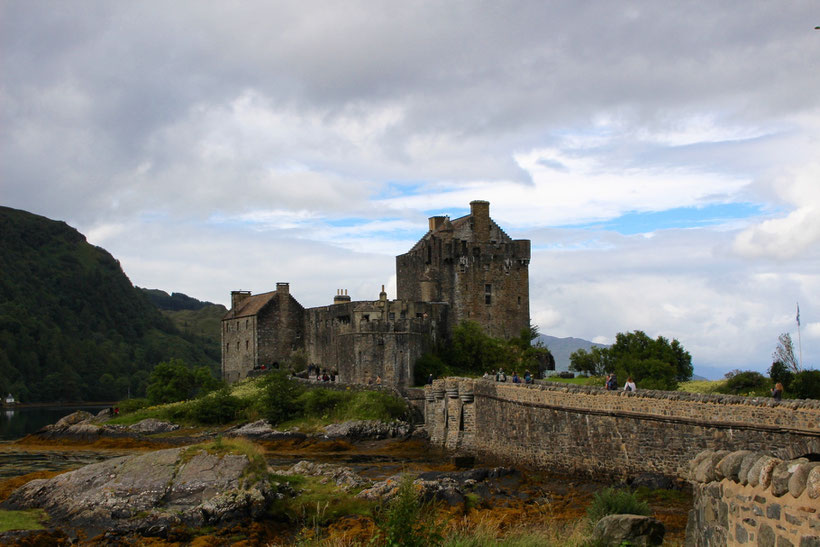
(777, 391)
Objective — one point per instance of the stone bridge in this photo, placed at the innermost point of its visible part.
(621, 434)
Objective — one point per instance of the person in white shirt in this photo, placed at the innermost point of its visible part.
(630, 385)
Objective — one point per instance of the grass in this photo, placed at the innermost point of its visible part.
(317, 504)
(258, 467)
(31, 519)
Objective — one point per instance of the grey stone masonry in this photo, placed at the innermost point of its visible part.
(753, 498)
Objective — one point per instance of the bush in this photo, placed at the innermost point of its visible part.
(611, 501)
(426, 365)
(407, 521)
(280, 399)
(219, 407)
(322, 402)
(375, 405)
(779, 372)
(743, 382)
(806, 385)
(127, 406)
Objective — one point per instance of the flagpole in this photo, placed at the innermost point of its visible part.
(799, 342)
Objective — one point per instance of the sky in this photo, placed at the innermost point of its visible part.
(661, 156)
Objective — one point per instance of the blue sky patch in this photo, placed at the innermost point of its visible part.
(678, 218)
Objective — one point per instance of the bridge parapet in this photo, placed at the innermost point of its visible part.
(589, 429)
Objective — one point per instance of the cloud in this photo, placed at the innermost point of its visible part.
(794, 234)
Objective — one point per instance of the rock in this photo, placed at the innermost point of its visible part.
(344, 477)
(799, 478)
(634, 529)
(444, 489)
(761, 472)
(262, 430)
(73, 418)
(745, 466)
(729, 466)
(706, 469)
(150, 426)
(149, 492)
(813, 483)
(782, 473)
(368, 430)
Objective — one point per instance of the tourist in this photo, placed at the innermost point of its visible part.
(516, 379)
(378, 380)
(630, 385)
(500, 376)
(429, 379)
(777, 391)
(611, 382)
(527, 377)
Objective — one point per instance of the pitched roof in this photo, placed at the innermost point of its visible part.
(250, 305)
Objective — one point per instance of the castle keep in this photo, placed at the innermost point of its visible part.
(466, 269)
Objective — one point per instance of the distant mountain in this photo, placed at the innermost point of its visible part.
(562, 348)
(191, 316)
(72, 326)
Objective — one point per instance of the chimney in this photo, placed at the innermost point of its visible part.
(480, 211)
(237, 297)
(283, 289)
(341, 296)
(383, 295)
(436, 223)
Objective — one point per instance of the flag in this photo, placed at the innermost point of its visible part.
(798, 314)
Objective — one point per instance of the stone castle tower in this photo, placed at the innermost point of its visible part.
(466, 269)
(471, 264)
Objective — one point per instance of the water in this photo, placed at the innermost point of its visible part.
(17, 422)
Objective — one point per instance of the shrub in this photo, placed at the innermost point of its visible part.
(426, 365)
(374, 405)
(806, 384)
(322, 402)
(407, 521)
(127, 406)
(219, 407)
(280, 399)
(779, 372)
(740, 383)
(612, 501)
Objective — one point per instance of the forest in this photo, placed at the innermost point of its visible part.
(72, 326)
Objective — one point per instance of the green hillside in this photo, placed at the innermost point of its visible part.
(202, 320)
(72, 326)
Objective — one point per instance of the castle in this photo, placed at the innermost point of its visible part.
(466, 269)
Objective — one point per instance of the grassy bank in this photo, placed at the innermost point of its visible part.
(284, 402)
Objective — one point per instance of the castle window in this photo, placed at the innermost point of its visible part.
(365, 317)
(488, 294)
(246, 324)
(391, 316)
(247, 344)
(429, 254)
(227, 348)
(237, 345)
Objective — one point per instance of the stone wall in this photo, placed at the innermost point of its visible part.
(369, 339)
(620, 434)
(751, 498)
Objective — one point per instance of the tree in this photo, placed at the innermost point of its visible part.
(806, 384)
(170, 381)
(595, 362)
(784, 352)
(655, 364)
(779, 372)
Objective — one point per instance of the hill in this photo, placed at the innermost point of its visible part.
(72, 326)
(191, 316)
(562, 348)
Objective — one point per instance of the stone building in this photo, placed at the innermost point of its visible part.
(475, 267)
(464, 269)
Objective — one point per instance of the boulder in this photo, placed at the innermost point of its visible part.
(262, 430)
(343, 477)
(729, 466)
(782, 473)
(630, 529)
(800, 477)
(813, 483)
(73, 418)
(150, 426)
(149, 493)
(358, 430)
